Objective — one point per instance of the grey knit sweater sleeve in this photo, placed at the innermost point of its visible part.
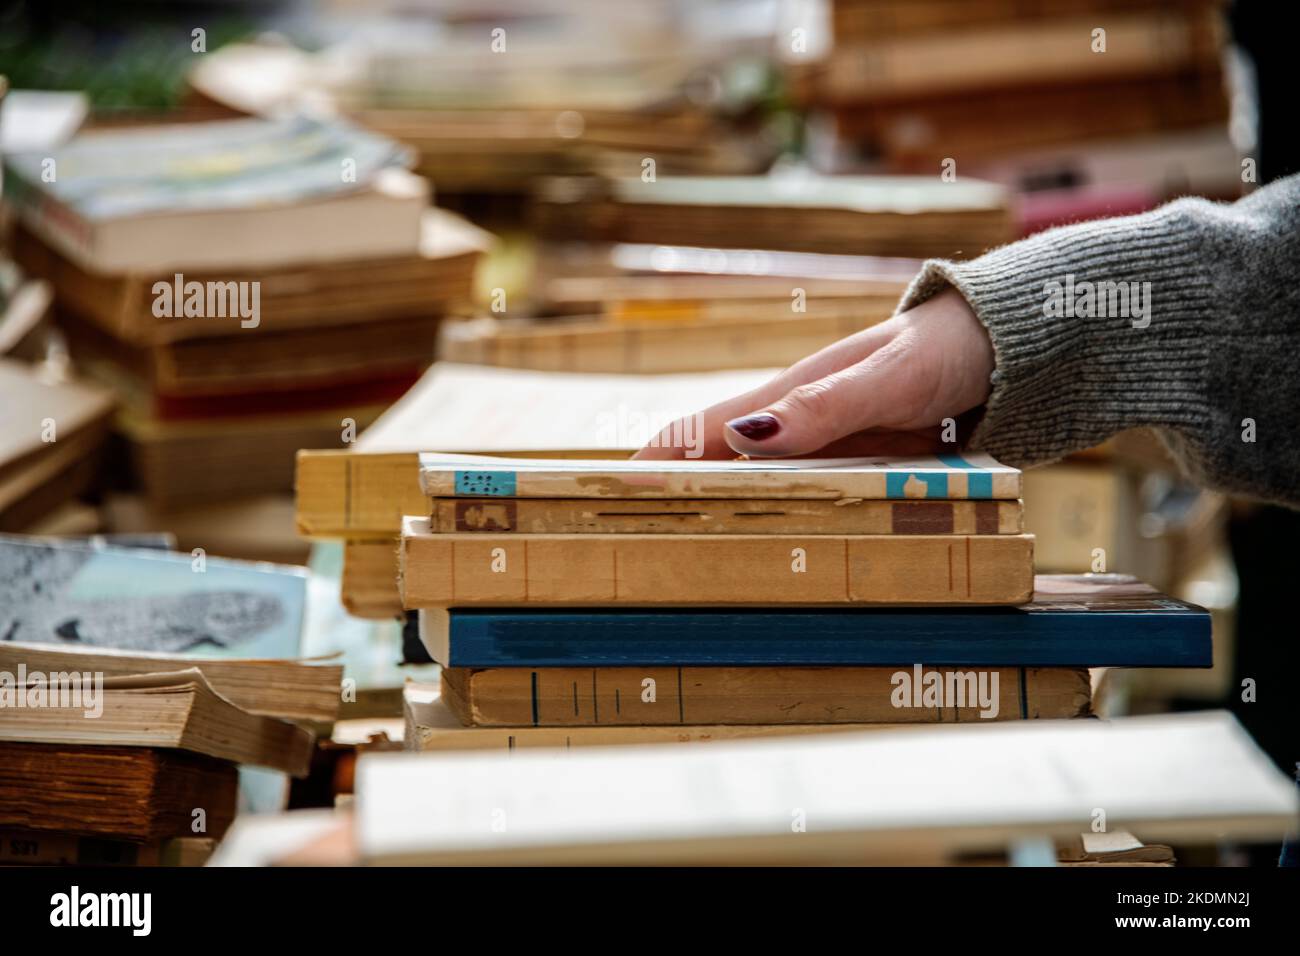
(1186, 319)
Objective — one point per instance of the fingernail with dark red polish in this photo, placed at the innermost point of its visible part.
(755, 427)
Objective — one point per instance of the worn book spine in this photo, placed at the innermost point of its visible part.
(722, 516)
(341, 494)
(654, 696)
(369, 585)
(464, 570)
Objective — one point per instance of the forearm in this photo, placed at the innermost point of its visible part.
(1196, 329)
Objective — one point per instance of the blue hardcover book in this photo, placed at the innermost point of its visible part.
(1073, 621)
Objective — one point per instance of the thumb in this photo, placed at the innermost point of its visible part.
(818, 413)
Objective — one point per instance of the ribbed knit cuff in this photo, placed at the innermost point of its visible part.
(1070, 372)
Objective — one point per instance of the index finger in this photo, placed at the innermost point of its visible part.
(700, 435)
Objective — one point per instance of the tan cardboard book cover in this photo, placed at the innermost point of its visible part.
(432, 728)
(658, 696)
(469, 570)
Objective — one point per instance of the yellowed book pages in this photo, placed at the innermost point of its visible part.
(177, 709)
(432, 728)
(302, 690)
(721, 516)
(468, 570)
(635, 696)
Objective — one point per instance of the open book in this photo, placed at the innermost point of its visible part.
(298, 690)
(176, 709)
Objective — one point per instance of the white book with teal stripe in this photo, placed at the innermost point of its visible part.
(948, 476)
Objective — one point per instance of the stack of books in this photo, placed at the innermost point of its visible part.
(637, 308)
(703, 273)
(134, 685)
(114, 758)
(565, 89)
(359, 495)
(1088, 107)
(249, 287)
(911, 216)
(599, 602)
(911, 81)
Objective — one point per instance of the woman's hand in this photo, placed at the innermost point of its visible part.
(883, 391)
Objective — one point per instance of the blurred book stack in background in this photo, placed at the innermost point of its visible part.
(560, 88)
(896, 216)
(1087, 108)
(699, 273)
(642, 308)
(247, 287)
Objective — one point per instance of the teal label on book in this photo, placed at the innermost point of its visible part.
(979, 484)
(908, 484)
(496, 483)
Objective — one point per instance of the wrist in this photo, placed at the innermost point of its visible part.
(1094, 328)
